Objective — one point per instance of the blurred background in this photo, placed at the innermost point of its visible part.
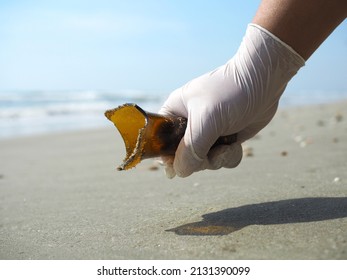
(63, 63)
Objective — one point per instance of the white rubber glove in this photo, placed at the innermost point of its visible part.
(239, 97)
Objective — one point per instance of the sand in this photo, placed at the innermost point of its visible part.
(61, 197)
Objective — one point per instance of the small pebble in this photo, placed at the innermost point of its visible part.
(335, 140)
(303, 144)
(320, 123)
(153, 167)
(248, 152)
(284, 153)
(306, 142)
(338, 117)
(196, 184)
(298, 138)
(337, 179)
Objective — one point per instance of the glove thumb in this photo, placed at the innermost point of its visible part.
(199, 137)
(186, 161)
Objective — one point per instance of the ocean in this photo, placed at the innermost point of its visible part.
(37, 112)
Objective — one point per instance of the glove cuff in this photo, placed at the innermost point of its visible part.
(301, 61)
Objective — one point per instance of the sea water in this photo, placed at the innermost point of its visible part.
(38, 111)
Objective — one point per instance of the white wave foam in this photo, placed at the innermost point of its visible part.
(27, 112)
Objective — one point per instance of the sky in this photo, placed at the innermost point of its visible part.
(151, 46)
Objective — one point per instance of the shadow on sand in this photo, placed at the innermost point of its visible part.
(289, 211)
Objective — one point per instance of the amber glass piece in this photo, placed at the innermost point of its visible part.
(148, 135)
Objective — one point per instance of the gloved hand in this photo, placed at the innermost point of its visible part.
(239, 97)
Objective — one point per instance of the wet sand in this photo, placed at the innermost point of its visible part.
(61, 197)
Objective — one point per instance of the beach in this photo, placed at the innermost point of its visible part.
(62, 198)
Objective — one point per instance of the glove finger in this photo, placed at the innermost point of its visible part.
(200, 134)
(228, 156)
(167, 161)
(186, 162)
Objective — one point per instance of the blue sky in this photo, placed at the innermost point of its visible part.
(152, 46)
